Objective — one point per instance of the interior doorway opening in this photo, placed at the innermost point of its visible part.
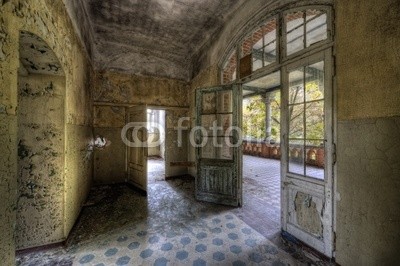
(156, 120)
(262, 153)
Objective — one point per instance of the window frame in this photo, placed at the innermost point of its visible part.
(281, 38)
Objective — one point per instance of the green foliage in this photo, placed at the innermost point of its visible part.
(254, 118)
(254, 124)
(306, 114)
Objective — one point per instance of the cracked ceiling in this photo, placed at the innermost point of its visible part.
(150, 37)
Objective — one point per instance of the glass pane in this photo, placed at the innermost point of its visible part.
(207, 122)
(224, 122)
(229, 70)
(296, 121)
(315, 120)
(224, 102)
(257, 64)
(296, 86)
(257, 49)
(296, 156)
(208, 151)
(225, 151)
(209, 103)
(269, 31)
(316, 26)
(315, 162)
(315, 81)
(294, 32)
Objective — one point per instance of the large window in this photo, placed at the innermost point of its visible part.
(301, 30)
(266, 49)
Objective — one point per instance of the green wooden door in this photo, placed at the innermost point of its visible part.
(218, 145)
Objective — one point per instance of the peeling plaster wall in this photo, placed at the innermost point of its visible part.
(40, 161)
(368, 167)
(113, 94)
(48, 20)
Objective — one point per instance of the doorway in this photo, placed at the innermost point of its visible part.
(262, 152)
(156, 150)
(156, 153)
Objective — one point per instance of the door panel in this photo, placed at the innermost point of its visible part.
(137, 153)
(176, 154)
(218, 150)
(307, 134)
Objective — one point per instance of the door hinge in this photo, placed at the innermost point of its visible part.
(334, 154)
(334, 242)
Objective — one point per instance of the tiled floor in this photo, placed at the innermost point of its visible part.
(169, 227)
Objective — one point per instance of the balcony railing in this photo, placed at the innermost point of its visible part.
(315, 155)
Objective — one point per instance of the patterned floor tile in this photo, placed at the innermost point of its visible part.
(169, 227)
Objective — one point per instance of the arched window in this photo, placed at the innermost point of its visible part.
(276, 39)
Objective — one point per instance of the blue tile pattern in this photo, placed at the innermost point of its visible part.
(86, 259)
(134, 245)
(166, 246)
(185, 241)
(181, 255)
(199, 262)
(188, 237)
(146, 253)
(222, 239)
(161, 262)
(123, 260)
(201, 248)
(219, 256)
(111, 252)
(218, 242)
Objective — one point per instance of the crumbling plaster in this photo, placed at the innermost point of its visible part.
(40, 160)
(48, 20)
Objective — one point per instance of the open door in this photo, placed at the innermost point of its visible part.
(138, 150)
(218, 145)
(176, 143)
(307, 151)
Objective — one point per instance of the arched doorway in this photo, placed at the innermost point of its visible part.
(41, 138)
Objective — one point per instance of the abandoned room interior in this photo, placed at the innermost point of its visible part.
(199, 132)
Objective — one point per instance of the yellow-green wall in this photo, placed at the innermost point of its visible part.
(48, 20)
(368, 89)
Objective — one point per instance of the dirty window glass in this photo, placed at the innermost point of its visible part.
(305, 28)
